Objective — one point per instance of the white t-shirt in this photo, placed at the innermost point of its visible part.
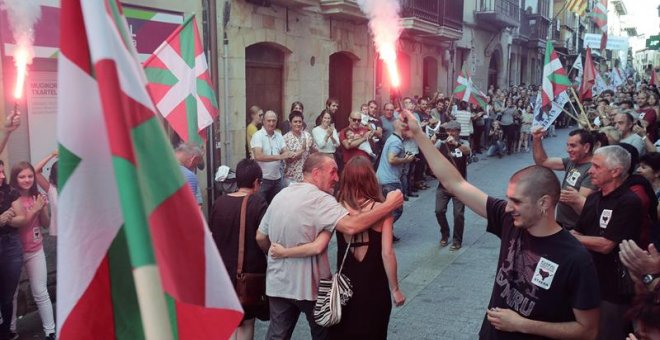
(270, 145)
(319, 133)
(296, 216)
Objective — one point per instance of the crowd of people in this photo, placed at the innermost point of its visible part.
(577, 258)
(24, 212)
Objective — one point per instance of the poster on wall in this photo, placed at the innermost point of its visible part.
(41, 98)
(148, 28)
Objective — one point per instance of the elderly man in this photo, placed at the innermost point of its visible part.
(387, 119)
(624, 123)
(610, 216)
(269, 150)
(297, 215)
(189, 157)
(576, 185)
(545, 282)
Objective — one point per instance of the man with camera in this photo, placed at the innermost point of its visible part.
(457, 151)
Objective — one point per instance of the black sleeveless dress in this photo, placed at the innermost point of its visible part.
(367, 313)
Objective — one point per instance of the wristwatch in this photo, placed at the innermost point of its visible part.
(648, 278)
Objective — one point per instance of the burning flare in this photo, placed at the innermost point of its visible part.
(385, 25)
(21, 58)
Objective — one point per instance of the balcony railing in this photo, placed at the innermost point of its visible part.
(539, 32)
(504, 7)
(499, 13)
(440, 12)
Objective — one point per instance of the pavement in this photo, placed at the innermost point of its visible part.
(446, 291)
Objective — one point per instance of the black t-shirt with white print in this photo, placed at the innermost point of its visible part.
(540, 278)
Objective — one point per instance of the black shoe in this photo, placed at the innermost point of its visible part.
(12, 336)
(50, 336)
(395, 239)
(405, 198)
(413, 195)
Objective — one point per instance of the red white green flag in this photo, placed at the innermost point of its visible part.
(599, 17)
(555, 79)
(136, 259)
(466, 90)
(180, 83)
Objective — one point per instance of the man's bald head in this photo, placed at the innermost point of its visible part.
(538, 181)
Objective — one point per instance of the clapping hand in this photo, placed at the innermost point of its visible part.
(39, 202)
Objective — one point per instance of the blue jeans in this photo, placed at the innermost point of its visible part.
(269, 188)
(391, 187)
(11, 261)
(495, 149)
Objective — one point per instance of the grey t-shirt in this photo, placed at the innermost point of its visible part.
(296, 216)
(576, 177)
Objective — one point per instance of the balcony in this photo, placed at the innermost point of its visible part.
(521, 35)
(498, 13)
(433, 18)
(295, 3)
(342, 9)
(538, 32)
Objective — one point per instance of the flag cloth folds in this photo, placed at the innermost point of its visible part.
(466, 90)
(589, 77)
(599, 17)
(577, 64)
(555, 80)
(125, 210)
(577, 6)
(180, 83)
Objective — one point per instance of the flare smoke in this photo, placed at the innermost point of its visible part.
(22, 15)
(385, 25)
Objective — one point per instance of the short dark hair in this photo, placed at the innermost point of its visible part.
(295, 114)
(626, 102)
(293, 105)
(651, 159)
(607, 102)
(538, 181)
(52, 177)
(585, 137)
(608, 91)
(247, 171)
(372, 102)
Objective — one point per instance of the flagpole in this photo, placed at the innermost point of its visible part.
(566, 111)
(581, 108)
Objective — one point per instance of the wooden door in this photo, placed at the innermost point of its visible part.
(341, 86)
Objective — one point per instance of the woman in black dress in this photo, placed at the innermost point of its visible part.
(371, 264)
(225, 225)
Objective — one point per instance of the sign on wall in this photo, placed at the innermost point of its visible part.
(613, 42)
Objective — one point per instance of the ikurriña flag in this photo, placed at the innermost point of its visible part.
(135, 257)
(180, 83)
(466, 90)
(555, 79)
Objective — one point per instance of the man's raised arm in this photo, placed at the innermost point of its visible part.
(540, 157)
(447, 174)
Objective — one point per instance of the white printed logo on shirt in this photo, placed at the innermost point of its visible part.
(457, 153)
(572, 177)
(605, 218)
(544, 273)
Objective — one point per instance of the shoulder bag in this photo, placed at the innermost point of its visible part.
(250, 287)
(332, 294)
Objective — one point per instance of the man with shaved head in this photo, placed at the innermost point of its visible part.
(545, 281)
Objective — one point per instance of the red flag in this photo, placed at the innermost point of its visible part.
(652, 81)
(588, 77)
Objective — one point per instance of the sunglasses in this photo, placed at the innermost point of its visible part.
(355, 120)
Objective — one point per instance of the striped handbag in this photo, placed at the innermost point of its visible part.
(332, 294)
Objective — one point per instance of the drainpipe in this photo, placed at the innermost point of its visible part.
(210, 27)
(225, 91)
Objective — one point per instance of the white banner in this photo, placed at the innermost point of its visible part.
(544, 117)
(613, 42)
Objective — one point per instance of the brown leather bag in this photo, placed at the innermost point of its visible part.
(250, 287)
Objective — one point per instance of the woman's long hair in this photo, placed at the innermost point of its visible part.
(13, 178)
(358, 182)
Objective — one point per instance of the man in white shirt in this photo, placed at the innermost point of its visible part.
(269, 150)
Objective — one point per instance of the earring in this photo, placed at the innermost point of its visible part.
(543, 211)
